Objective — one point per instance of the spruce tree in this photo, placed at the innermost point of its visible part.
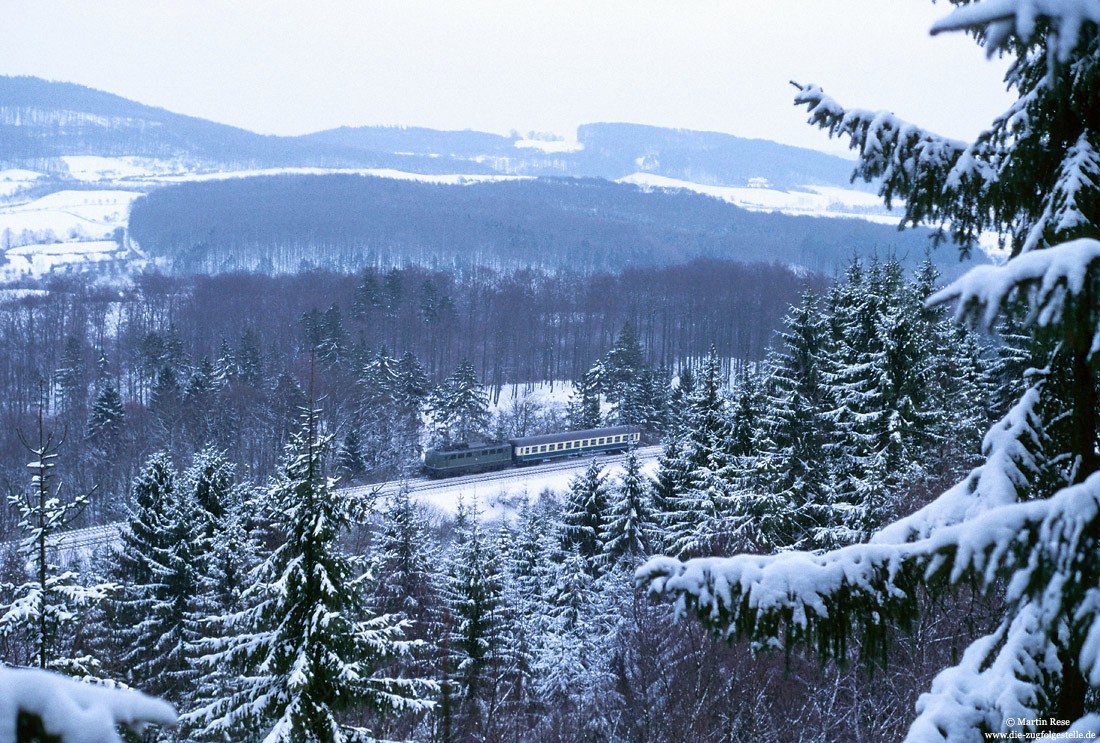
(309, 648)
(482, 636)
(586, 516)
(412, 384)
(350, 462)
(460, 406)
(630, 527)
(159, 567)
(584, 403)
(48, 604)
(407, 565)
(105, 420)
(1024, 523)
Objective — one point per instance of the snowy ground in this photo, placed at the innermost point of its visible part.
(500, 494)
(815, 201)
(542, 394)
(13, 181)
(67, 230)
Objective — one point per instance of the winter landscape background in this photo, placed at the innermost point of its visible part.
(864, 506)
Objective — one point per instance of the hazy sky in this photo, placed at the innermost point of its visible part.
(277, 66)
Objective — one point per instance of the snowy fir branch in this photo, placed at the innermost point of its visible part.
(1003, 19)
(1047, 278)
(75, 711)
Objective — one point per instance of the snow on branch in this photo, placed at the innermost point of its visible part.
(1045, 276)
(809, 599)
(75, 711)
(1003, 18)
(1009, 463)
(938, 177)
(993, 683)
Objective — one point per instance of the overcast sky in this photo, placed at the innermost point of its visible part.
(277, 66)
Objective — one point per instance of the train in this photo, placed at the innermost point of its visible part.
(483, 456)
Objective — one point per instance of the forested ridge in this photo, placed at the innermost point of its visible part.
(344, 222)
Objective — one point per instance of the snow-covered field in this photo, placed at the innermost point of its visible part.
(815, 201)
(42, 259)
(13, 181)
(64, 230)
(143, 171)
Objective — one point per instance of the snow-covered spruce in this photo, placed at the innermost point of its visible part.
(305, 650)
(1028, 520)
(49, 602)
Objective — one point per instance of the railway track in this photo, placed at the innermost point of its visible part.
(84, 541)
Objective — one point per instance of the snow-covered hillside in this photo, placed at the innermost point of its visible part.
(814, 201)
(68, 230)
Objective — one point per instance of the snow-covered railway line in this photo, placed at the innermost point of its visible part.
(82, 542)
(424, 486)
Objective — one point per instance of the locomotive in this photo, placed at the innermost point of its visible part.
(483, 456)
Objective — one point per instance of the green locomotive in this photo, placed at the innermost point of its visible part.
(483, 456)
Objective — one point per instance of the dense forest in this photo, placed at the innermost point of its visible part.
(452, 628)
(164, 355)
(345, 222)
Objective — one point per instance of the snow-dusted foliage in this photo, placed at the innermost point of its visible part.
(1024, 524)
(75, 711)
(47, 604)
(306, 645)
(1031, 177)
(1003, 19)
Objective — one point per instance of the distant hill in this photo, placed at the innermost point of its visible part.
(573, 215)
(709, 158)
(613, 151)
(343, 222)
(41, 121)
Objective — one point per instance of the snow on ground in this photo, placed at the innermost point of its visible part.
(61, 230)
(146, 171)
(96, 168)
(502, 497)
(74, 215)
(45, 258)
(448, 179)
(541, 394)
(817, 201)
(14, 180)
(549, 146)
